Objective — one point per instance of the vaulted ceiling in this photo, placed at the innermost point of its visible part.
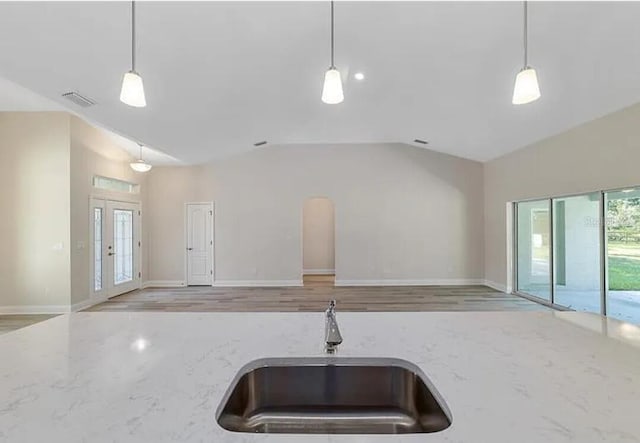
(220, 76)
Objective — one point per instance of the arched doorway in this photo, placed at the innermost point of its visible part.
(318, 242)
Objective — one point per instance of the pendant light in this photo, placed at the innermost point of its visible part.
(132, 92)
(140, 165)
(332, 90)
(526, 89)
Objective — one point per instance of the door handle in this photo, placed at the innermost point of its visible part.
(189, 249)
(112, 253)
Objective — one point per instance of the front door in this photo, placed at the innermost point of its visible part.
(199, 244)
(115, 247)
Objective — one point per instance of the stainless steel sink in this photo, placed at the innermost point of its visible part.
(332, 396)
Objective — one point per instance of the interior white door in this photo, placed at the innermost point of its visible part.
(199, 219)
(122, 243)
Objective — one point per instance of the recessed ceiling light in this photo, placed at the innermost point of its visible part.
(422, 142)
(358, 76)
(260, 143)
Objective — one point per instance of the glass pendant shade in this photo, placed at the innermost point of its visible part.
(140, 166)
(132, 92)
(526, 89)
(332, 91)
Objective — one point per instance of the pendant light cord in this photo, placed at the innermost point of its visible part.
(526, 32)
(332, 45)
(133, 36)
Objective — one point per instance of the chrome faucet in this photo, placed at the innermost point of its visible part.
(332, 336)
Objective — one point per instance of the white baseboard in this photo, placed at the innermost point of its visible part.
(163, 284)
(50, 309)
(497, 286)
(84, 304)
(410, 282)
(34, 309)
(257, 283)
(318, 271)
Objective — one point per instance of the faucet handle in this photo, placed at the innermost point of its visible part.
(332, 305)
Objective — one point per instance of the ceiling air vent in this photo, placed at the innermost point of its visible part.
(78, 99)
(422, 142)
(260, 143)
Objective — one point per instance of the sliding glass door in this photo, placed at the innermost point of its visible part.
(576, 252)
(566, 255)
(623, 254)
(533, 248)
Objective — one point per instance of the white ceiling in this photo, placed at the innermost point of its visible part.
(16, 98)
(220, 76)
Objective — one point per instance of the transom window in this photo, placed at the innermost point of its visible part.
(113, 184)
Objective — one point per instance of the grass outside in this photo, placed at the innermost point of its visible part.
(624, 266)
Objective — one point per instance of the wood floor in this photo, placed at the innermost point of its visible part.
(315, 295)
(12, 322)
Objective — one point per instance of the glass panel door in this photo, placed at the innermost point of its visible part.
(97, 249)
(623, 254)
(533, 248)
(122, 246)
(576, 252)
(114, 239)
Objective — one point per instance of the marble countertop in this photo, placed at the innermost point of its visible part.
(508, 377)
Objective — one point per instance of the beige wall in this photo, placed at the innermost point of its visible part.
(318, 235)
(35, 202)
(47, 162)
(403, 214)
(601, 154)
(94, 153)
(169, 188)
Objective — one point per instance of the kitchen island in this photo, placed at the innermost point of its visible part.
(507, 377)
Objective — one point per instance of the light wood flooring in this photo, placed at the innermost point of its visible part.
(315, 295)
(12, 322)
